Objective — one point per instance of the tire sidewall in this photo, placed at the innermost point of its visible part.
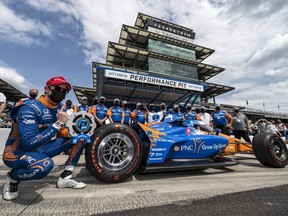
(94, 164)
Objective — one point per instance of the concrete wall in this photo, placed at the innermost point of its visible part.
(4, 132)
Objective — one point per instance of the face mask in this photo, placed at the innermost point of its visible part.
(162, 107)
(95, 101)
(84, 102)
(176, 110)
(126, 105)
(218, 109)
(236, 111)
(151, 107)
(116, 104)
(57, 96)
(68, 105)
(101, 101)
(202, 110)
(33, 96)
(189, 108)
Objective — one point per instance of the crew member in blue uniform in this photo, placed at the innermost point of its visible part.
(115, 113)
(140, 113)
(31, 143)
(33, 93)
(99, 112)
(82, 106)
(177, 113)
(222, 120)
(129, 115)
(190, 113)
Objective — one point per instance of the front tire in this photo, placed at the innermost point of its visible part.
(114, 154)
(270, 150)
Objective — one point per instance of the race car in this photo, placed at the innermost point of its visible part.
(117, 151)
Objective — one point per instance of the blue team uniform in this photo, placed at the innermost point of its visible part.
(190, 116)
(116, 114)
(127, 113)
(101, 111)
(29, 148)
(140, 117)
(81, 107)
(219, 118)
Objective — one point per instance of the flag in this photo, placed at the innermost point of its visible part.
(263, 104)
(246, 102)
(278, 106)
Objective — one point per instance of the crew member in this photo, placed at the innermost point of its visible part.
(140, 113)
(151, 115)
(190, 113)
(33, 93)
(82, 106)
(128, 114)
(205, 117)
(222, 120)
(31, 144)
(99, 112)
(115, 114)
(177, 113)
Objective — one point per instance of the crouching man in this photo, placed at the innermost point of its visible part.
(32, 141)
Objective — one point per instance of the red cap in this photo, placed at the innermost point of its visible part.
(59, 80)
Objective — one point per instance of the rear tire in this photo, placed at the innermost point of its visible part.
(270, 150)
(114, 154)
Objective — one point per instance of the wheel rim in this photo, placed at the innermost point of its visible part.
(278, 150)
(115, 151)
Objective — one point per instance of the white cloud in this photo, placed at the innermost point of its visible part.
(250, 37)
(19, 28)
(14, 78)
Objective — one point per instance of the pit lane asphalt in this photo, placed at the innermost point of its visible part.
(246, 189)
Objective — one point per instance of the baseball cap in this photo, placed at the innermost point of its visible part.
(116, 99)
(124, 102)
(193, 108)
(235, 108)
(217, 106)
(2, 97)
(59, 80)
(102, 98)
(176, 106)
(84, 98)
(202, 107)
(162, 104)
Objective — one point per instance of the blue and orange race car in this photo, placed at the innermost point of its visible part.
(117, 151)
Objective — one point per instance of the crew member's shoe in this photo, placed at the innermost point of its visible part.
(70, 182)
(10, 190)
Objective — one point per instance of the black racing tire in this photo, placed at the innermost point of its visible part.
(114, 154)
(270, 150)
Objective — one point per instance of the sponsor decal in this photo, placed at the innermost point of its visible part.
(29, 121)
(176, 148)
(158, 149)
(30, 175)
(28, 159)
(153, 80)
(46, 111)
(214, 146)
(149, 133)
(187, 148)
(153, 159)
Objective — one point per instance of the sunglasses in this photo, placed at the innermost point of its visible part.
(59, 89)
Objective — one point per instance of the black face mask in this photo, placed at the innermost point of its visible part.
(57, 96)
(68, 105)
(151, 108)
(95, 101)
(218, 109)
(33, 96)
(101, 102)
(189, 108)
(236, 111)
(162, 107)
(116, 104)
(202, 110)
(176, 110)
(126, 105)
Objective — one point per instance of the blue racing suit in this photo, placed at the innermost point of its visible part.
(30, 145)
(140, 116)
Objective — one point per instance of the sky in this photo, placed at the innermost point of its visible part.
(40, 39)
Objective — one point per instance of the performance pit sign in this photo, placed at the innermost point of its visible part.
(153, 80)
